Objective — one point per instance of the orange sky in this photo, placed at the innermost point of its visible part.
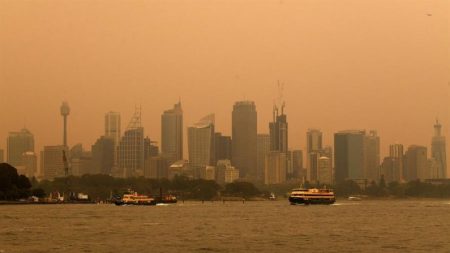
(375, 64)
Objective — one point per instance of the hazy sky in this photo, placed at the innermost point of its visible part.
(375, 64)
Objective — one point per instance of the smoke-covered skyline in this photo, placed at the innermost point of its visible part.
(379, 65)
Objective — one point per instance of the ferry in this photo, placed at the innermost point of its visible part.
(135, 199)
(312, 196)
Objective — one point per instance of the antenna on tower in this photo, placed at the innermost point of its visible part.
(281, 104)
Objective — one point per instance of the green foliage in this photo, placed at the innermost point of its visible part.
(101, 187)
(244, 189)
(12, 185)
(347, 188)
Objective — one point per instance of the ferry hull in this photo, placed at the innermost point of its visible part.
(312, 201)
(121, 203)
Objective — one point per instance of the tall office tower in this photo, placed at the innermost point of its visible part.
(262, 149)
(416, 163)
(433, 168)
(275, 168)
(314, 150)
(113, 128)
(131, 148)
(151, 148)
(65, 111)
(372, 156)
(244, 127)
(82, 165)
(396, 154)
(313, 140)
(2, 156)
(279, 131)
(223, 147)
(349, 155)
(388, 170)
(29, 160)
(324, 170)
(103, 155)
(297, 164)
(201, 144)
(172, 134)
(52, 164)
(438, 151)
(313, 159)
(17, 144)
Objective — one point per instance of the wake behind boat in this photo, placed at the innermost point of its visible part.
(312, 196)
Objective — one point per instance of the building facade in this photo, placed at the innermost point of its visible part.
(201, 144)
(17, 144)
(244, 136)
(172, 134)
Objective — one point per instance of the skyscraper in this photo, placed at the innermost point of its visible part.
(324, 171)
(244, 132)
(313, 140)
(29, 160)
(113, 127)
(201, 145)
(438, 151)
(372, 156)
(223, 147)
(17, 144)
(103, 155)
(131, 148)
(397, 156)
(416, 163)
(297, 164)
(349, 155)
(52, 164)
(279, 131)
(314, 150)
(172, 134)
(275, 168)
(65, 111)
(263, 148)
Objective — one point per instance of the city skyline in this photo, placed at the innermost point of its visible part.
(360, 79)
(385, 150)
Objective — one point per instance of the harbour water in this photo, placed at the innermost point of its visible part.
(260, 226)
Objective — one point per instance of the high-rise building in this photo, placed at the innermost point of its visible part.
(103, 155)
(313, 160)
(387, 169)
(17, 144)
(325, 170)
(438, 151)
(244, 136)
(156, 167)
(223, 147)
(397, 156)
(349, 155)
(131, 148)
(416, 163)
(83, 165)
(172, 134)
(313, 140)
(314, 152)
(65, 111)
(279, 131)
(201, 144)
(29, 160)
(297, 164)
(113, 127)
(262, 149)
(52, 164)
(275, 168)
(372, 156)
